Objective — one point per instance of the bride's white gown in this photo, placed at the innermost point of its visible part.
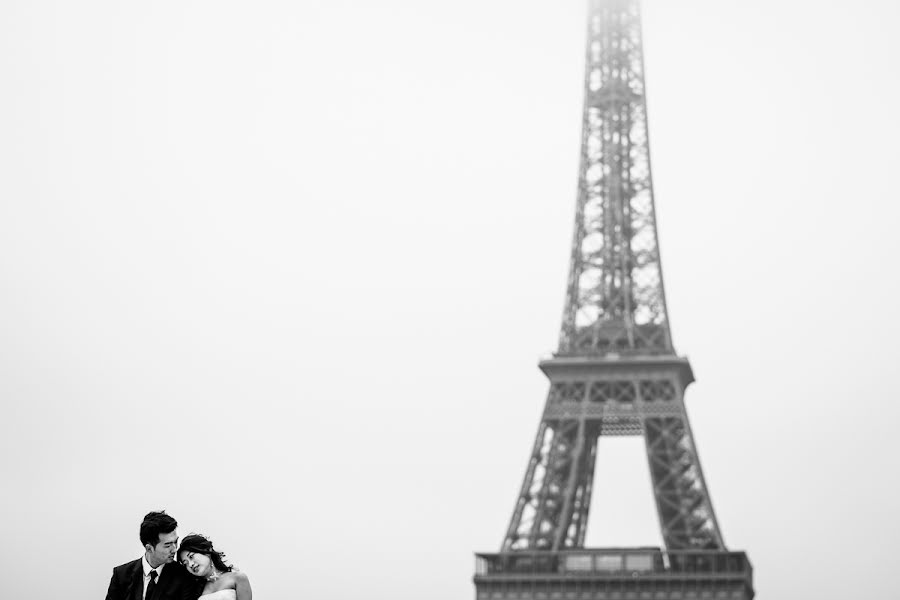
(220, 595)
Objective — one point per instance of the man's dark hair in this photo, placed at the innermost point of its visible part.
(154, 524)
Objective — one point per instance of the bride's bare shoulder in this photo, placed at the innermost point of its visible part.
(236, 577)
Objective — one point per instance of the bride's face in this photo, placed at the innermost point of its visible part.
(197, 564)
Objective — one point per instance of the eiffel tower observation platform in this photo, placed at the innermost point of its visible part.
(614, 574)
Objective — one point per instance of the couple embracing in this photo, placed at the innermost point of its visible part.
(168, 571)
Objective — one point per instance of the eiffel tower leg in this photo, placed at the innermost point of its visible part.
(565, 451)
(524, 508)
(552, 508)
(577, 499)
(547, 489)
(682, 500)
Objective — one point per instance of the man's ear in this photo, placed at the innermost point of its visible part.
(148, 548)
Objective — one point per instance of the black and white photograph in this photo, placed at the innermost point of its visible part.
(485, 300)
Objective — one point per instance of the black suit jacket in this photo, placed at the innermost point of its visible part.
(174, 583)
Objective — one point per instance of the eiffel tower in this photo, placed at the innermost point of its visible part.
(615, 373)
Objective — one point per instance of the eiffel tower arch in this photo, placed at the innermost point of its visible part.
(615, 372)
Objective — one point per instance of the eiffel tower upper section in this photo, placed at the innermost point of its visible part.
(615, 300)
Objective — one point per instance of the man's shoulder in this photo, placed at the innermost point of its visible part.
(131, 564)
(176, 569)
(177, 576)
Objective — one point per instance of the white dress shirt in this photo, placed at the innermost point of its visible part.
(147, 569)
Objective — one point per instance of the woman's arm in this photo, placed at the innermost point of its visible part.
(242, 586)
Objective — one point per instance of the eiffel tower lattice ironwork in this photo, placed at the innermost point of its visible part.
(615, 373)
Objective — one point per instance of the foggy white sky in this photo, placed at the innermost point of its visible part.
(303, 258)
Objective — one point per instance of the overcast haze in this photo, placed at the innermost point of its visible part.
(300, 259)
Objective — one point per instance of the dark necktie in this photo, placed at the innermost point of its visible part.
(151, 585)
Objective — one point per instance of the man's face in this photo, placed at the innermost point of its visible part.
(164, 551)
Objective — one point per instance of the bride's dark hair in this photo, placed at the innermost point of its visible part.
(194, 542)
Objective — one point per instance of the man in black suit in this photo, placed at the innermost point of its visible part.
(156, 575)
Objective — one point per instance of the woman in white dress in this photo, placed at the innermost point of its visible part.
(201, 560)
